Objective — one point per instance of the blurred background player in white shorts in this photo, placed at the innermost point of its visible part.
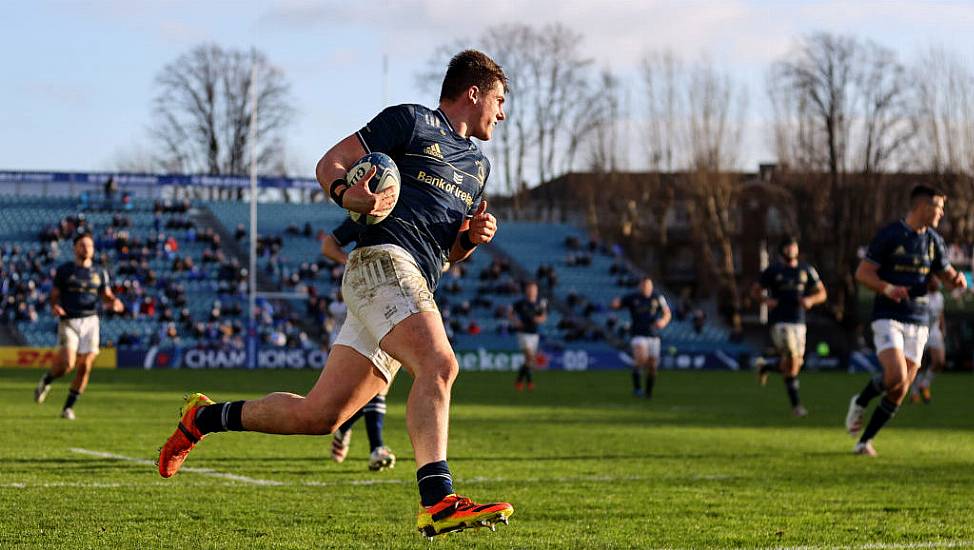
(899, 263)
(527, 314)
(78, 287)
(936, 345)
(649, 314)
(789, 287)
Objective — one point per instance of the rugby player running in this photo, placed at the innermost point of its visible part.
(388, 286)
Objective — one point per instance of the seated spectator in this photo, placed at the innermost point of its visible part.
(699, 320)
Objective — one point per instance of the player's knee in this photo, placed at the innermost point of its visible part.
(443, 368)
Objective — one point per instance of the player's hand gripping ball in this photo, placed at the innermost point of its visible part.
(377, 175)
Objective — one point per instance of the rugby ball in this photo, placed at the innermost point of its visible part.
(386, 176)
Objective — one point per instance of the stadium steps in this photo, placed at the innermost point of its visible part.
(553, 301)
(265, 283)
(10, 337)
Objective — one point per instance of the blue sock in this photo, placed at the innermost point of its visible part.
(344, 428)
(73, 396)
(791, 385)
(884, 411)
(220, 417)
(872, 389)
(375, 413)
(435, 482)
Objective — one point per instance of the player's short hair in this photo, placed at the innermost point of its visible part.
(645, 278)
(471, 68)
(82, 235)
(786, 241)
(527, 283)
(924, 191)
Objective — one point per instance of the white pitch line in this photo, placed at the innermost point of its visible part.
(201, 471)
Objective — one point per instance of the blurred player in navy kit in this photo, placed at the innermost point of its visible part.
(649, 315)
(936, 345)
(388, 285)
(380, 456)
(898, 265)
(78, 287)
(527, 314)
(789, 288)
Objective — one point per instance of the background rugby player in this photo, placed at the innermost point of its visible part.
(900, 260)
(789, 288)
(78, 286)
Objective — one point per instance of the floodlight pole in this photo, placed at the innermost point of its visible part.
(252, 266)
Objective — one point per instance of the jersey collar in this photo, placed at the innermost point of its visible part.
(449, 125)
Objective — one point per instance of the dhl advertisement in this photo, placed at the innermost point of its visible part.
(19, 357)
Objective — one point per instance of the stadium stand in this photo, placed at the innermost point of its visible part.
(183, 285)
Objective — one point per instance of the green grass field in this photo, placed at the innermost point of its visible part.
(714, 461)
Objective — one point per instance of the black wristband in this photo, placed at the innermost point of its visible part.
(338, 196)
(465, 242)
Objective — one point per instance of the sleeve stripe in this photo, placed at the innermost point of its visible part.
(361, 140)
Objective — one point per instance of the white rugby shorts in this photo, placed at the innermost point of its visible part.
(528, 342)
(789, 338)
(382, 286)
(79, 335)
(936, 339)
(649, 345)
(907, 337)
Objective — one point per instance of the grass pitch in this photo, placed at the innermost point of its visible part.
(713, 461)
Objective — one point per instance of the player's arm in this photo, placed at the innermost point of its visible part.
(331, 171)
(543, 316)
(56, 307)
(475, 231)
(816, 297)
(110, 300)
(868, 275)
(951, 278)
(665, 318)
(513, 318)
(759, 290)
(332, 250)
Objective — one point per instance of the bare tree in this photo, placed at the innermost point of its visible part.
(842, 107)
(203, 111)
(945, 114)
(553, 99)
(886, 127)
(695, 122)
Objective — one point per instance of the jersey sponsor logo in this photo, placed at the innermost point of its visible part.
(432, 120)
(481, 170)
(900, 251)
(449, 187)
(434, 151)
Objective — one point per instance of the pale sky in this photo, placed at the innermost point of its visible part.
(78, 75)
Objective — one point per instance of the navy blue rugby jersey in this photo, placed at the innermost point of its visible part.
(526, 312)
(788, 285)
(443, 177)
(346, 232)
(906, 258)
(80, 288)
(645, 311)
